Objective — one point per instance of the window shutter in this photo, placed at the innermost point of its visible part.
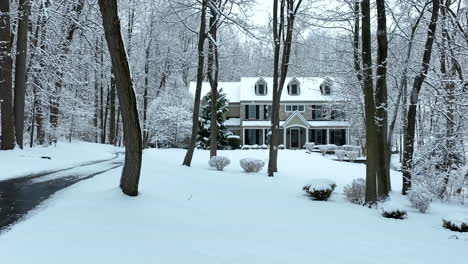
(246, 111)
(257, 112)
(257, 136)
(313, 112)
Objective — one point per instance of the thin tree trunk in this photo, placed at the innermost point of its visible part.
(20, 69)
(132, 132)
(213, 73)
(6, 66)
(196, 104)
(112, 111)
(417, 84)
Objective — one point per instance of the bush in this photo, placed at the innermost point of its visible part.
(233, 141)
(355, 192)
(352, 155)
(310, 146)
(457, 225)
(264, 146)
(252, 165)
(340, 154)
(281, 146)
(323, 149)
(246, 147)
(219, 162)
(394, 213)
(419, 198)
(320, 189)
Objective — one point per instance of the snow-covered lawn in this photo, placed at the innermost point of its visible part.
(17, 162)
(202, 216)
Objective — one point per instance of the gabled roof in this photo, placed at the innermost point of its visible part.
(296, 119)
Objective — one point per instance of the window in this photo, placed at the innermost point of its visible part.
(338, 136)
(261, 87)
(252, 136)
(293, 87)
(292, 108)
(337, 115)
(252, 112)
(326, 86)
(319, 112)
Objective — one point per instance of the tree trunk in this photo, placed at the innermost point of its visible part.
(6, 66)
(20, 69)
(371, 130)
(196, 104)
(417, 84)
(383, 171)
(132, 132)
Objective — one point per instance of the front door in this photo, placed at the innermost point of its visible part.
(294, 138)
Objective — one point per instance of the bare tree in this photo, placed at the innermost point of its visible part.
(282, 36)
(132, 132)
(196, 103)
(412, 110)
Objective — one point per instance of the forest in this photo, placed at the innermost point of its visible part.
(117, 74)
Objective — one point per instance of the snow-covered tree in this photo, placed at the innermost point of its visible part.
(204, 132)
(169, 118)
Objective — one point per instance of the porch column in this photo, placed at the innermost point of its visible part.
(328, 136)
(307, 136)
(347, 136)
(243, 136)
(264, 141)
(284, 135)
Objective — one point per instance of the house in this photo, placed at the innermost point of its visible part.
(310, 111)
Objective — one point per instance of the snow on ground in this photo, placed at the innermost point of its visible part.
(200, 215)
(17, 162)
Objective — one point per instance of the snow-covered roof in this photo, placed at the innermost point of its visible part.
(230, 88)
(232, 122)
(309, 88)
(328, 124)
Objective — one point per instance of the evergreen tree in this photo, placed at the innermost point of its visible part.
(204, 132)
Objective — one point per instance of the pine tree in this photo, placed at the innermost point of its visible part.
(204, 132)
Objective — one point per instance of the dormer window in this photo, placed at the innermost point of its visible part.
(326, 86)
(293, 87)
(261, 87)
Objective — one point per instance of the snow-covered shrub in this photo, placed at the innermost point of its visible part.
(323, 149)
(219, 162)
(281, 146)
(332, 147)
(246, 147)
(340, 154)
(419, 198)
(320, 189)
(252, 165)
(352, 155)
(233, 141)
(351, 148)
(310, 146)
(389, 211)
(264, 146)
(355, 192)
(457, 223)
(254, 146)
(440, 168)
